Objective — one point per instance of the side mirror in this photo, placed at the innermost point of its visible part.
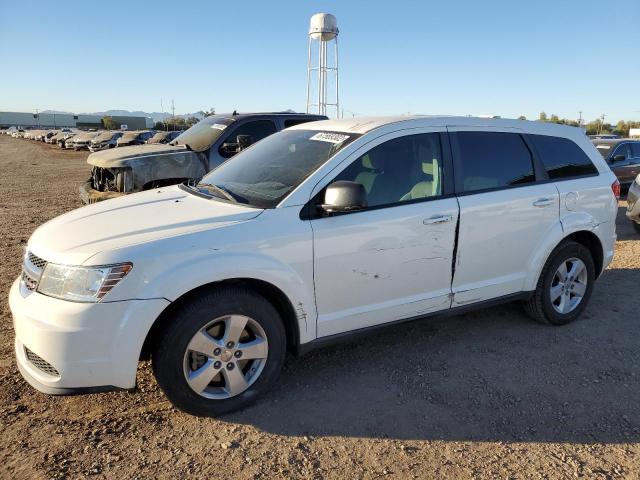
(618, 158)
(344, 196)
(244, 141)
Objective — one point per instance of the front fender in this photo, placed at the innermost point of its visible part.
(160, 167)
(172, 282)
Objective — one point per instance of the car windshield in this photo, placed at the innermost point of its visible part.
(604, 150)
(264, 174)
(103, 136)
(202, 135)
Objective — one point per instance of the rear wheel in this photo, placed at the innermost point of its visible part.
(221, 351)
(564, 287)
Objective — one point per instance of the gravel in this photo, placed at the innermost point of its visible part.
(483, 395)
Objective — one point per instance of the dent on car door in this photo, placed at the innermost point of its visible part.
(505, 215)
(392, 260)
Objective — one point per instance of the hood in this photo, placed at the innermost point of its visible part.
(143, 217)
(117, 157)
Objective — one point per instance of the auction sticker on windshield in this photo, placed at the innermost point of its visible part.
(218, 126)
(329, 137)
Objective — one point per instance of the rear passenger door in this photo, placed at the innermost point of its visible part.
(504, 214)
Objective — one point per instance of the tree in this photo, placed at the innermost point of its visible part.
(542, 117)
(554, 119)
(109, 124)
(522, 117)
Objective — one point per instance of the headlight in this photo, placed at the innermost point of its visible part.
(80, 284)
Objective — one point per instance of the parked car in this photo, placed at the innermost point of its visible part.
(66, 141)
(163, 137)
(134, 138)
(83, 140)
(623, 156)
(314, 234)
(192, 154)
(633, 203)
(55, 134)
(104, 140)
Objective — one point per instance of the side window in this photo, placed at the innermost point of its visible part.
(561, 157)
(493, 160)
(253, 130)
(402, 169)
(635, 150)
(623, 149)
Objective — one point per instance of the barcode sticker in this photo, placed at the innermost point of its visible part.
(329, 137)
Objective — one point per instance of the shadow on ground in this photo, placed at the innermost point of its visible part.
(491, 375)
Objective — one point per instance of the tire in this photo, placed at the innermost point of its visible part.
(636, 226)
(541, 307)
(173, 361)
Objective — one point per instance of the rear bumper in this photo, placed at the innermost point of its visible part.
(89, 195)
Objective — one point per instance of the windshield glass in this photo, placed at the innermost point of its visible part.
(264, 174)
(604, 150)
(202, 135)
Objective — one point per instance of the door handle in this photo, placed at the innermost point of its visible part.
(543, 202)
(437, 219)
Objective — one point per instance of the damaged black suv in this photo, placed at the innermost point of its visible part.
(192, 154)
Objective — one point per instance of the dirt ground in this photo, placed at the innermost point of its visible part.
(489, 394)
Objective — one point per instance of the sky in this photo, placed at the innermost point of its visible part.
(473, 57)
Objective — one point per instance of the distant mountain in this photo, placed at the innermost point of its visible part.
(156, 116)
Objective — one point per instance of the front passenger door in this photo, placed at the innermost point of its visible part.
(391, 260)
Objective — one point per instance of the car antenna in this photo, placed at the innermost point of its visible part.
(235, 112)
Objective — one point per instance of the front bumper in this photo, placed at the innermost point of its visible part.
(90, 195)
(633, 201)
(91, 346)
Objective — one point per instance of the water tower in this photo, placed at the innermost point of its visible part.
(322, 75)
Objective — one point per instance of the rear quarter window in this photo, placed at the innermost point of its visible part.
(561, 157)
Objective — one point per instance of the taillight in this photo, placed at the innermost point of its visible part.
(615, 188)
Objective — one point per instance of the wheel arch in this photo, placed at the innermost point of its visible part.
(591, 242)
(289, 314)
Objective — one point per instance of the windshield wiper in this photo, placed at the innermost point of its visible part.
(220, 190)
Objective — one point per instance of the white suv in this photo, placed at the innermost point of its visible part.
(319, 231)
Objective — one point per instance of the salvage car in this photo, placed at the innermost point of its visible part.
(83, 139)
(313, 235)
(134, 138)
(66, 141)
(163, 137)
(633, 204)
(623, 156)
(104, 140)
(198, 150)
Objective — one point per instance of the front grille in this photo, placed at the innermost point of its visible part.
(30, 283)
(36, 261)
(40, 363)
(32, 270)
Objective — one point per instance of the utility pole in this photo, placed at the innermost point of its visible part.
(602, 123)
(173, 114)
(38, 118)
(580, 119)
(164, 119)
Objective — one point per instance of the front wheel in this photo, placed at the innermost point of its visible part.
(564, 286)
(220, 352)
